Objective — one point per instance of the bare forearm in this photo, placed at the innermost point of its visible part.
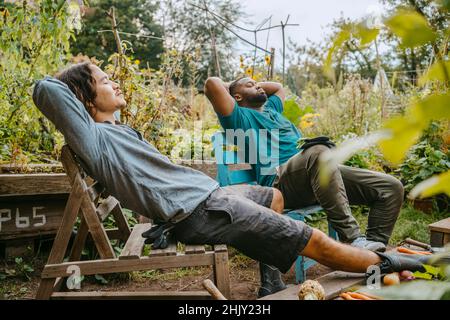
(337, 255)
(270, 87)
(226, 85)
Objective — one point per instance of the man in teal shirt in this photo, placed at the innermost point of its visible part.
(248, 105)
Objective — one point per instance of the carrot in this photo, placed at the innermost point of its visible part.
(346, 296)
(359, 296)
(409, 251)
(374, 297)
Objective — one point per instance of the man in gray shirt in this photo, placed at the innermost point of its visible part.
(82, 103)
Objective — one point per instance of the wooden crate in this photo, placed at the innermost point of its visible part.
(31, 206)
(440, 233)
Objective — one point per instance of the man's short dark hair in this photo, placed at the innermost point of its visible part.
(80, 81)
(234, 85)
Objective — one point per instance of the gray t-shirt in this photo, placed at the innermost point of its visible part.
(132, 170)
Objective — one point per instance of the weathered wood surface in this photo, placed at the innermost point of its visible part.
(334, 283)
(135, 244)
(30, 217)
(440, 233)
(106, 266)
(441, 226)
(32, 184)
(58, 183)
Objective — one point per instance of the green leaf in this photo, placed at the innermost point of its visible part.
(439, 71)
(292, 111)
(422, 275)
(405, 131)
(433, 186)
(339, 40)
(366, 35)
(434, 107)
(411, 28)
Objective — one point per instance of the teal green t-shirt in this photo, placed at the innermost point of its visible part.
(270, 138)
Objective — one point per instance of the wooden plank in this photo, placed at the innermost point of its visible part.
(171, 250)
(30, 218)
(436, 239)
(121, 222)
(79, 241)
(31, 184)
(96, 228)
(334, 283)
(220, 248)
(222, 273)
(135, 244)
(70, 166)
(70, 214)
(189, 249)
(446, 239)
(106, 207)
(63, 236)
(106, 266)
(32, 168)
(133, 295)
(441, 226)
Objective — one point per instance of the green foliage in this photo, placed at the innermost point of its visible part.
(425, 159)
(412, 28)
(23, 269)
(34, 41)
(402, 132)
(293, 112)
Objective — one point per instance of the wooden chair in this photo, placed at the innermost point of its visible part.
(84, 201)
(231, 170)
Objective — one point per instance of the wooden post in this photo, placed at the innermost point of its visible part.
(272, 63)
(221, 270)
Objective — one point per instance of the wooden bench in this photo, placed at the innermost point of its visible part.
(85, 201)
(440, 233)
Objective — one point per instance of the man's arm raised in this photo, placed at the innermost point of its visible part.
(273, 88)
(218, 93)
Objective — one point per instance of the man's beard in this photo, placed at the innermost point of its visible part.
(258, 99)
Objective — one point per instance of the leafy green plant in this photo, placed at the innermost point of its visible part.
(23, 269)
(423, 162)
(34, 42)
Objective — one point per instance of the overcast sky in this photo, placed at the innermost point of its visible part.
(312, 15)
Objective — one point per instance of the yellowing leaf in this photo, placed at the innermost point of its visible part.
(439, 71)
(366, 35)
(434, 107)
(412, 28)
(405, 131)
(340, 39)
(430, 187)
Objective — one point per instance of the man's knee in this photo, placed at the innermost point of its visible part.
(318, 242)
(396, 191)
(277, 204)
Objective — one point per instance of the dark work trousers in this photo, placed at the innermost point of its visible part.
(298, 180)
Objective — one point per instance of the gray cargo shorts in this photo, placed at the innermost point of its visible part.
(240, 216)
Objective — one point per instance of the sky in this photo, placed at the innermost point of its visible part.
(313, 16)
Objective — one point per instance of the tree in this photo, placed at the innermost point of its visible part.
(189, 28)
(135, 18)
